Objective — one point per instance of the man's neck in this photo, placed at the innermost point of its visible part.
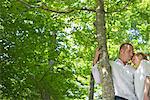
(124, 62)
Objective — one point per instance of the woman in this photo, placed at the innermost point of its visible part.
(141, 80)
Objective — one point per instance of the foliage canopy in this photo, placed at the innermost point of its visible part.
(47, 46)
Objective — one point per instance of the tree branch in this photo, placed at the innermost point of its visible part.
(56, 11)
(28, 5)
(44, 7)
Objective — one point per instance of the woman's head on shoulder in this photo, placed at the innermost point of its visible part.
(137, 58)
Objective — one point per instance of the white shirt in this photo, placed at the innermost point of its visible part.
(122, 79)
(96, 74)
(140, 74)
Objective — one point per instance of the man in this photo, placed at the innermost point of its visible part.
(122, 73)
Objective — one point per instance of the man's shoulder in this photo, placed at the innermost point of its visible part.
(114, 64)
(117, 61)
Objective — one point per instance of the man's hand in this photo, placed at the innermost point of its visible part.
(97, 55)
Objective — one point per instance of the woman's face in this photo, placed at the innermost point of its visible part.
(136, 60)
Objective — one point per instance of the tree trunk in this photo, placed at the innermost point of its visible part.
(91, 94)
(103, 66)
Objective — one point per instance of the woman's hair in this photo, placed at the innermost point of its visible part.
(142, 55)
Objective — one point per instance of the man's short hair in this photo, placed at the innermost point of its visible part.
(124, 45)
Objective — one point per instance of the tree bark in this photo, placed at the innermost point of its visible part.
(91, 94)
(103, 66)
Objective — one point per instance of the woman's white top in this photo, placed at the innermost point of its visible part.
(140, 74)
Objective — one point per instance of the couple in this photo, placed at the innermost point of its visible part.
(123, 74)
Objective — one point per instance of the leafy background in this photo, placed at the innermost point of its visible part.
(47, 46)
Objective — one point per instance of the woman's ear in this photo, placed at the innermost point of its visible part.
(140, 57)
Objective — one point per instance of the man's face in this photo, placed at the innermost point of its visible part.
(127, 53)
